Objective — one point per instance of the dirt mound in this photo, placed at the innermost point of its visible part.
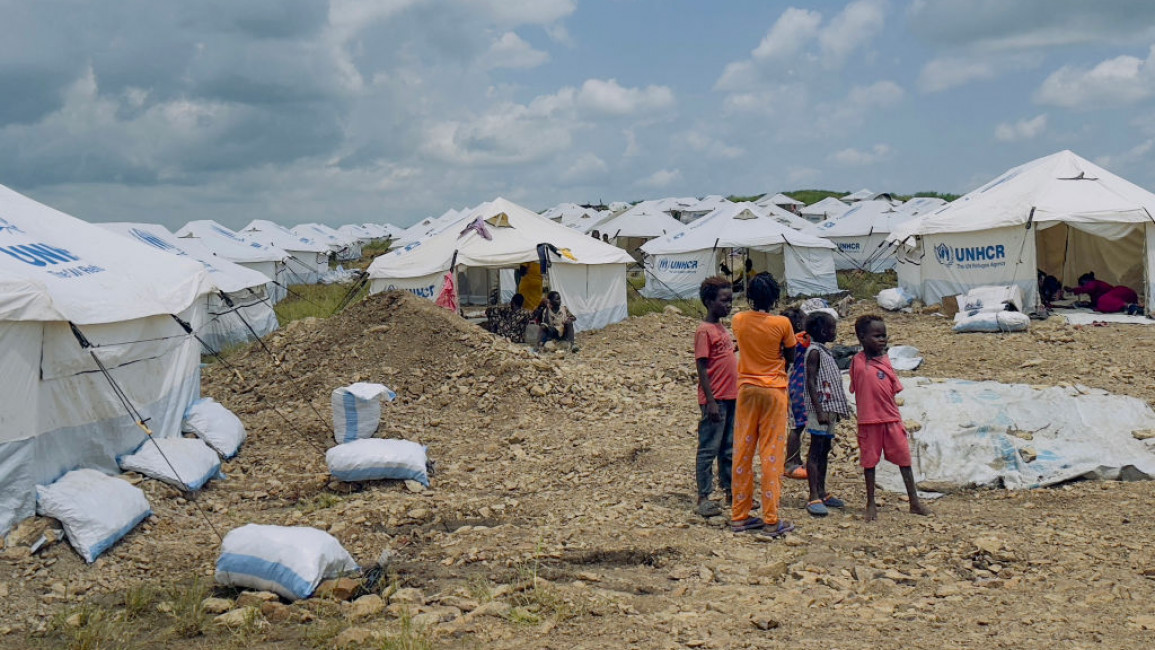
(419, 350)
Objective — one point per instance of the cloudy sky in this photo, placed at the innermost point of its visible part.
(347, 111)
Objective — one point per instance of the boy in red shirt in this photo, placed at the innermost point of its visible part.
(767, 344)
(717, 391)
(880, 429)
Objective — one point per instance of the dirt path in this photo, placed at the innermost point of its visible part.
(586, 486)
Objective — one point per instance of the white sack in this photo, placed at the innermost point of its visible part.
(288, 561)
(1001, 321)
(357, 410)
(894, 299)
(904, 357)
(988, 299)
(96, 509)
(219, 427)
(184, 463)
(987, 433)
(376, 459)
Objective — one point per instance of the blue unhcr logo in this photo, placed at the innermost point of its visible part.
(968, 257)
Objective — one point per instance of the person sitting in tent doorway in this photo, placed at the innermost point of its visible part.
(605, 237)
(1106, 298)
(556, 322)
(596, 235)
(530, 283)
(509, 320)
(1050, 289)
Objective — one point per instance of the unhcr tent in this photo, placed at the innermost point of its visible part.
(824, 209)
(229, 245)
(592, 284)
(702, 208)
(677, 263)
(70, 294)
(343, 247)
(1060, 214)
(638, 225)
(781, 201)
(308, 257)
(359, 233)
(860, 234)
(226, 324)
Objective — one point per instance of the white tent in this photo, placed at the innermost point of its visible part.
(638, 225)
(787, 218)
(308, 257)
(592, 286)
(62, 279)
(702, 208)
(343, 247)
(1061, 214)
(231, 246)
(392, 232)
(860, 234)
(225, 325)
(677, 263)
(861, 195)
(824, 209)
(557, 212)
(586, 220)
(358, 232)
(780, 200)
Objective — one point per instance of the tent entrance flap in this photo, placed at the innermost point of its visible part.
(1067, 252)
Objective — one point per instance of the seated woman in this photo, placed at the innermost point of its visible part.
(556, 322)
(509, 320)
(1105, 298)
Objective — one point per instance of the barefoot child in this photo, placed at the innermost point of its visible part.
(717, 391)
(797, 390)
(825, 405)
(766, 343)
(874, 383)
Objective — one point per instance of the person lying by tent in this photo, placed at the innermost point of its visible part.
(1050, 289)
(1106, 298)
(556, 322)
(509, 320)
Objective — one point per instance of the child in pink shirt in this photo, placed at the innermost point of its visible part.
(880, 429)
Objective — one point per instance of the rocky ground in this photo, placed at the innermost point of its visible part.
(560, 514)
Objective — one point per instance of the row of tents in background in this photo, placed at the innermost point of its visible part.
(102, 326)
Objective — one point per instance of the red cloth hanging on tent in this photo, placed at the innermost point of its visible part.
(447, 297)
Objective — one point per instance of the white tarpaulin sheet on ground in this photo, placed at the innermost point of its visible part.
(1088, 316)
(1018, 436)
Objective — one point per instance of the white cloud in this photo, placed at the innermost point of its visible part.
(851, 29)
(850, 112)
(660, 179)
(856, 158)
(1122, 80)
(511, 51)
(793, 30)
(1021, 130)
(1134, 155)
(711, 147)
(945, 73)
(585, 168)
(798, 44)
(802, 174)
(610, 98)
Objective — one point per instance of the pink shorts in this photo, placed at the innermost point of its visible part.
(888, 437)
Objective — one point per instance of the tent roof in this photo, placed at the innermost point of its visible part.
(642, 220)
(707, 204)
(584, 220)
(779, 199)
(267, 232)
(59, 268)
(228, 244)
(510, 245)
(829, 206)
(861, 195)
(786, 218)
(863, 218)
(326, 234)
(1061, 187)
(735, 225)
(225, 275)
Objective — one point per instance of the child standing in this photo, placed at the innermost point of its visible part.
(880, 429)
(797, 390)
(766, 342)
(717, 391)
(825, 405)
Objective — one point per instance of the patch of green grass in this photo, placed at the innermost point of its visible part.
(813, 196)
(865, 286)
(188, 610)
(316, 301)
(88, 627)
(406, 636)
(320, 502)
(370, 252)
(640, 306)
(138, 600)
